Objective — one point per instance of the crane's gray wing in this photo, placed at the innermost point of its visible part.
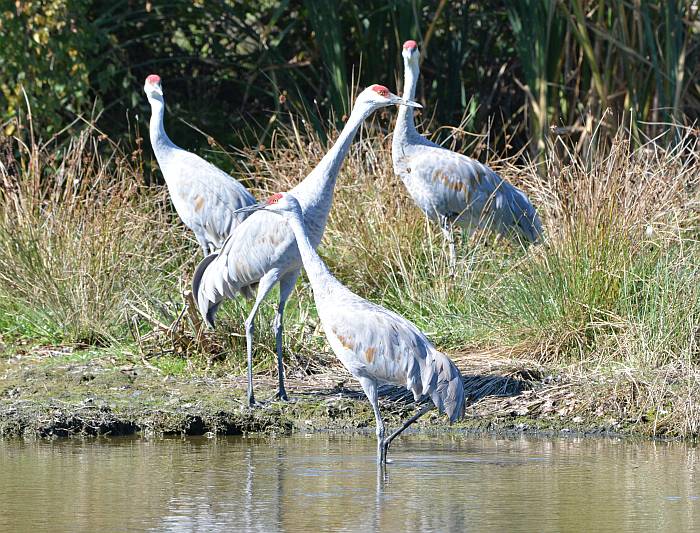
(374, 342)
(262, 242)
(210, 196)
(471, 193)
(379, 344)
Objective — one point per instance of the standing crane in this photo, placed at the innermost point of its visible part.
(204, 196)
(262, 250)
(453, 188)
(376, 345)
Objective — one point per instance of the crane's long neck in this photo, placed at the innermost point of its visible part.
(316, 270)
(405, 127)
(317, 187)
(160, 141)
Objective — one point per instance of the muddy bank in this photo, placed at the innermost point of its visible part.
(58, 394)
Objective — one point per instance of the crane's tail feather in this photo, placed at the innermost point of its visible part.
(210, 287)
(199, 271)
(527, 224)
(210, 315)
(207, 310)
(509, 212)
(443, 382)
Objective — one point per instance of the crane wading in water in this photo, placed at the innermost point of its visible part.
(375, 345)
(453, 188)
(204, 196)
(262, 250)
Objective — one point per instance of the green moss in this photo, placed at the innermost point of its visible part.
(93, 394)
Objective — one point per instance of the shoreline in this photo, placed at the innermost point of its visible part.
(57, 396)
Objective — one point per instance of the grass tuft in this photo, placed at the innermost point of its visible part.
(79, 237)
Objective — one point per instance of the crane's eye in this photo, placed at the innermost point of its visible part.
(274, 198)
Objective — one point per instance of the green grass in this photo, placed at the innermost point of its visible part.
(80, 237)
(84, 244)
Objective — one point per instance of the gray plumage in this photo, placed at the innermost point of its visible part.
(204, 196)
(376, 345)
(452, 188)
(262, 250)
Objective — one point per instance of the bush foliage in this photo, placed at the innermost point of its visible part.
(522, 68)
(45, 53)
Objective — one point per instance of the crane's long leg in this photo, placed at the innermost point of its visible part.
(265, 285)
(448, 233)
(286, 287)
(370, 388)
(407, 423)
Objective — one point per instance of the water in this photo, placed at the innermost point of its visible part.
(329, 483)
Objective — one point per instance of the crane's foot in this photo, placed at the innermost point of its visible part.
(253, 403)
(286, 399)
(281, 395)
(382, 449)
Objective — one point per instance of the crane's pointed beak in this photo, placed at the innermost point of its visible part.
(410, 103)
(251, 208)
(157, 88)
(397, 100)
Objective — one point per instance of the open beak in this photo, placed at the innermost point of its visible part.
(251, 208)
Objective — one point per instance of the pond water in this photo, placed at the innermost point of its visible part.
(331, 483)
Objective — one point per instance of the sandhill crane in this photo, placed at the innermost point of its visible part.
(204, 196)
(453, 188)
(262, 249)
(376, 345)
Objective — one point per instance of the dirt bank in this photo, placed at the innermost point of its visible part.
(59, 393)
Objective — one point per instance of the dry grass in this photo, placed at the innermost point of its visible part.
(613, 291)
(79, 236)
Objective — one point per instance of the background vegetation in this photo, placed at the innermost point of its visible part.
(524, 70)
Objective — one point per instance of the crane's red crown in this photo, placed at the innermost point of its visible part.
(274, 198)
(380, 90)
(153, 79)
(410, 45)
